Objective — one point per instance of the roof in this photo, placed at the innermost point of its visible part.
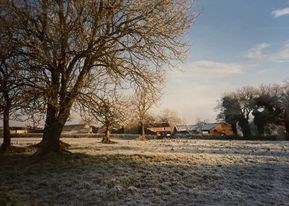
(182, 128)
(160, 124)
(197, 127)
(208, 126)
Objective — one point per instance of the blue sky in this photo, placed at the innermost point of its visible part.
(234, 43)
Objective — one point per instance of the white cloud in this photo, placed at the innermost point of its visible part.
(257, 52)
(211, 69)
(282, 55)
(280, 12)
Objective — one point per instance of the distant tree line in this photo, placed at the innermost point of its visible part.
(265, 107)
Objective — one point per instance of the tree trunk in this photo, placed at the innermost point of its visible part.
(52, 131)
(260, 126)
(142, 136)
(142, 130)
(244, 124)
(234, 128)
(261, 129)
(259, 122)
(246, 130)
(106, 138)
(51, 137)
(287, 123)
(6, 130)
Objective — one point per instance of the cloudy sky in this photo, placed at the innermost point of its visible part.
(233, 44)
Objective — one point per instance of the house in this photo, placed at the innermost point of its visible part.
(77, 129)
(160, 129)
(221, 128)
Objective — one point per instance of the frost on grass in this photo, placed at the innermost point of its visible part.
(158, 172)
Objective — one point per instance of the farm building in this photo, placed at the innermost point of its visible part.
(159, 129)
(220, 128)
(185, 129)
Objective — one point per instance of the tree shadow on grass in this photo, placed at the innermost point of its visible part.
(81, 179)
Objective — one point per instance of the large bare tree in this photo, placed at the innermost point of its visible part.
(65, 41)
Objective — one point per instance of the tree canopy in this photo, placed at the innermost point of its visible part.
(65, 42)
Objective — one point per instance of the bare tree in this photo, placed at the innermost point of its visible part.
(144, 98)
(101, 101)
(16, 97)
(108, 107)
(67, 40)
(10, 81)
(16, 100)
(9, 91)
(170, 116)
(111, 113)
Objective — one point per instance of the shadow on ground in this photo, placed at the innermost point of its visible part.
(81, 179)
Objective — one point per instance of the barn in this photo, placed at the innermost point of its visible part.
(160, 129)
(221, 128)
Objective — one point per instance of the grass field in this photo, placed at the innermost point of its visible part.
(155, 172)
